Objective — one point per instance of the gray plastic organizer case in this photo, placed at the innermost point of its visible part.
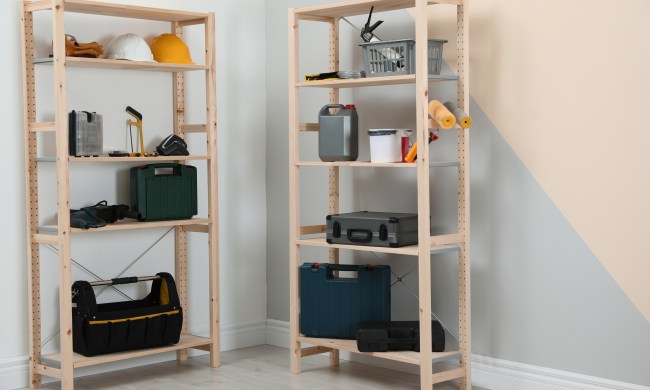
(373, 229)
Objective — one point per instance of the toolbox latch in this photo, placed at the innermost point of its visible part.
(383, 232)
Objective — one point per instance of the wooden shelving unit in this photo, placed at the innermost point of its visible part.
(427, 245)
(61, 365)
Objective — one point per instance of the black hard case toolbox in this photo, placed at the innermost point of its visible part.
(373, 229)
(384, 336)
(332, 305)
(151, 322)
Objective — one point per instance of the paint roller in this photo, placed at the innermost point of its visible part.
(462, 118)
(441, 115)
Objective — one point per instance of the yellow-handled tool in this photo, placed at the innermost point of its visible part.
(138, 124)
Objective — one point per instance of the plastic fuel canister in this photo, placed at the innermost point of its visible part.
(338, 133)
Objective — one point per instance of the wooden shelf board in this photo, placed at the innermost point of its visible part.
(369, 164)
(186, 341)
(125, 11)
(80, 62)
(106, 159)
(351, 346)
(361, 7)
(371, 81)
(410, 250)
(130, 225)
(354, 164)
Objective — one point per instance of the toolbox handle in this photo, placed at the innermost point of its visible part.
(343, 267)
(176, 168)
(359, 235)
(125, 280)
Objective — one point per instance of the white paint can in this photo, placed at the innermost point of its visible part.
(385, 145)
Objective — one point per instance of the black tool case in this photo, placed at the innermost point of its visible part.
(151, 322)
(332, 303)
(384, 336)
(373, 229)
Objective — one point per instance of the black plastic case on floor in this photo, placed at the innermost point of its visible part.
(151, 322)
(384, 336)
(373, 228)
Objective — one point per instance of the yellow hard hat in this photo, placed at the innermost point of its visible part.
(170, 48)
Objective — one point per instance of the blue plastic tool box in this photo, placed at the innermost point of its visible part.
(331, 306)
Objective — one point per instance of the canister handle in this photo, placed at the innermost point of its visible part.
(325, 111)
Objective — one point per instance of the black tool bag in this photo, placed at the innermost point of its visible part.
(373, 229)
(383, 336)
(151, 322)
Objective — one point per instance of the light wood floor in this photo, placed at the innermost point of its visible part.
(261, 367)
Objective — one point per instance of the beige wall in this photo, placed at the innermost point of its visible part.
(566, 84)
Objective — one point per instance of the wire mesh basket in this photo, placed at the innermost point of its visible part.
(391, 58)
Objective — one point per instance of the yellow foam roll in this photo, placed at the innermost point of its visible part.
(441, 115)
(462, 118)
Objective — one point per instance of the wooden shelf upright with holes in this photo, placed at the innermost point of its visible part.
(427, 245)
(61, 365)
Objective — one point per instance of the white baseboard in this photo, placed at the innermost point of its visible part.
(14, 372)
(489, 373)
(277, 333)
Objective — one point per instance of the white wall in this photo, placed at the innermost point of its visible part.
(242, 183)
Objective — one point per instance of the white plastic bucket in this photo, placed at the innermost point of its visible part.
(385, 145)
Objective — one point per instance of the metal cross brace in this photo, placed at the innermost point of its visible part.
(400, 279)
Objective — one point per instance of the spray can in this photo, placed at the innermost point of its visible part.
(338, 133)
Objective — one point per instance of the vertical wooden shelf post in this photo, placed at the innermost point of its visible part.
(294, 194)
(180, 236)
(464, 293)
(63, 192)
(213, 199)
(334, 179)
(424, 229)
(31, 197)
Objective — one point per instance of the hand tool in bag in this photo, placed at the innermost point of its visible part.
(172, 145)
(413, 152)
(367, 33)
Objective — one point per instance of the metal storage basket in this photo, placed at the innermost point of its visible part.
(391, 58)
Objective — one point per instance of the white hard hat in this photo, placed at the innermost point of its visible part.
(129, 47)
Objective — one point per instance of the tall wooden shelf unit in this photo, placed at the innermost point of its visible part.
(427, 245)
(61, 365)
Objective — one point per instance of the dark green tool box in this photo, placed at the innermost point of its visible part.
(332, 306)
(161, 192)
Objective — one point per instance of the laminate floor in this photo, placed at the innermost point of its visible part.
(261, 367)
